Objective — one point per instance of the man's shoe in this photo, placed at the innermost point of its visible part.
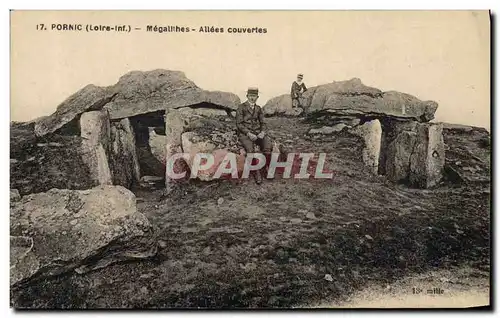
(258, 177)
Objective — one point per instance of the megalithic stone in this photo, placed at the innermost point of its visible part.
(95, 133)
(123, 158)
(428, 157)
(371, 132)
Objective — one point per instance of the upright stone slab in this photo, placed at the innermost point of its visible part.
(398, 141)
(123, 156)
(398, 153)
(371, 132)
(95, 133)
(428, 157)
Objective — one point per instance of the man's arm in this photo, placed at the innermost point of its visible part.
(239, 121)
(263, 126)
(304, 87)
(294, 90)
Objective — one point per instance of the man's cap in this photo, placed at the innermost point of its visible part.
(253, 90)
(300, 75)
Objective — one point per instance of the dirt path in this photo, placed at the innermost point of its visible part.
(457, 288)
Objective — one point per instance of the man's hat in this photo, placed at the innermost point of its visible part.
(300, 75)
(253, 90)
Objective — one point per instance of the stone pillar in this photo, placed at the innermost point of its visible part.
(428, 157)
(123, 156)
(95, 133)
(371, 132)
(174, 127)
(398, 140)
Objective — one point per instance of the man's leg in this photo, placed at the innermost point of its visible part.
(266, 146)
(248, 144)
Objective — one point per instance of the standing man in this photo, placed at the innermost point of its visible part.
(298, 88)
(251, 127)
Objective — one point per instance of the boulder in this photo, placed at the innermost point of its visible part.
(281, 105)
(89, 98)
(145, 92)
(123, 160)
(428, 157)
(64, 230)
(95, 132)
(371, 132)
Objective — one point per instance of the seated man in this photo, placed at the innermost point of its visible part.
(251, 127)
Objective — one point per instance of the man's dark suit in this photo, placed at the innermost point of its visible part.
(252, 120)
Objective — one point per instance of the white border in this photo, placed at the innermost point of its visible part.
(191, 5)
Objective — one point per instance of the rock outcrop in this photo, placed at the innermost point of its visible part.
(352, 97)
(64, 230)
(468, 154)
(89, 98)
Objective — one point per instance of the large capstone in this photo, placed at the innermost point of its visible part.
(160, 90)
(89, 98)
(353, 98)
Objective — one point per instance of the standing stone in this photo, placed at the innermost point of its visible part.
(123, 158)
(174, 127)
(95, 133)
(398, 140)
(371, 132)
(428, 158)
(398, 153)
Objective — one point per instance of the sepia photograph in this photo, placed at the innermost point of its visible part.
(250, 159)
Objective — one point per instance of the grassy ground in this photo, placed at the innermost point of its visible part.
(286, 242)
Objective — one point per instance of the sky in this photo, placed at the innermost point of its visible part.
(434, 55)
